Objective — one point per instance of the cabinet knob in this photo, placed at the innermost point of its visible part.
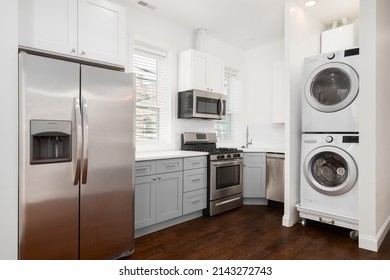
(154, 179)
(159, 178)
(73, 50)
(83, 52)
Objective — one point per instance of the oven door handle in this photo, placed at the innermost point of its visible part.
(225, 162)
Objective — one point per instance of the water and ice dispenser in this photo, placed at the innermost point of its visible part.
(51, 141)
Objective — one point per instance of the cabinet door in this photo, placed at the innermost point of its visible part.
(49, 25)
(254, 180)
(102, 31)
(195, 179)
(169, 196)
(194, 201)
(195, 162)
(216, 75)
(145, 201)
(199, 71)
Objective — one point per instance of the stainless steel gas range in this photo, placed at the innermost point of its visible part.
(224, 188)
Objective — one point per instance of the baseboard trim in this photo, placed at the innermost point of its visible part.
(255, 201)
(373, 243)
(156, 227)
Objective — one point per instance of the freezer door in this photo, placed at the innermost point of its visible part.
(106, 201)
(48, 200)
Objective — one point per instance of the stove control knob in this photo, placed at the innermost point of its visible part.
(228, 156)
(236, 155)
(220, 157)
(329, 139)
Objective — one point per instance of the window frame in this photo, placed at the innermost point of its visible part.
(164, 141)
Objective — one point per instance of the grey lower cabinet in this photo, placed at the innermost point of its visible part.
(194, 184)
(169, 188)
(254, 175)
(158, 191)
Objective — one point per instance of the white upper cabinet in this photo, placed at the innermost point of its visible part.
(89, 29)
(102, 32)
(48, 25)
(198, 70)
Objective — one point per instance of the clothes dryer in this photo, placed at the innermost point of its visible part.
(329, 175)
(330, 92)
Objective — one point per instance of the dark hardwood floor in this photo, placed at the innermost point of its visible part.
(252, 232)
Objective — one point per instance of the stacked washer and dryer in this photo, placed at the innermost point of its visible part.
(330, 140)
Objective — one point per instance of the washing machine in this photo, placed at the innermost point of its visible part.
(329, 179)
(330, 92)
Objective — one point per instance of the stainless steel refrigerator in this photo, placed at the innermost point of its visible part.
(76, 160)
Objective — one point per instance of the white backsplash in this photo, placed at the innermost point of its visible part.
(267, 136)
(192, 125)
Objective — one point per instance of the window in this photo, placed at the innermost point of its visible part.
(152, 96)
(225, 128)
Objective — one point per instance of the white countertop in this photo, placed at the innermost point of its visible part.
(263, 150)
(154, 155)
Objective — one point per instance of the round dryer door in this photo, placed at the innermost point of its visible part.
(332, 87)
(330, 170)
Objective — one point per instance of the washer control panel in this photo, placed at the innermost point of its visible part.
(334, 139)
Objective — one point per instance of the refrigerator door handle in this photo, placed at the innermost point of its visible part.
(84, 173)
(77, 164)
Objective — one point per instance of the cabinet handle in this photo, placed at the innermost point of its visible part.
(170, 166)
(141, 169)
(195, 201)
(195, 180)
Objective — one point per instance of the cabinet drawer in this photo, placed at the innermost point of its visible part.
(195, 162)
(169, 165)
(195, 179)
(144, 168)
(254, 157)
(194, 201)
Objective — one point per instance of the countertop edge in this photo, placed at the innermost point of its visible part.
(144, 156)
(263, 150)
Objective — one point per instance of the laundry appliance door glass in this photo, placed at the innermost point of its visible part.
(332, 87)
(330, 171)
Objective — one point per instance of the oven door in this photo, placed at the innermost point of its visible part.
(225, 178)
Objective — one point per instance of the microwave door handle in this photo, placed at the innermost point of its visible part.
(79, 139)
(84, 173)
(220, 108)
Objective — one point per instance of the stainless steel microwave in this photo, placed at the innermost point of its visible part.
(201, 104)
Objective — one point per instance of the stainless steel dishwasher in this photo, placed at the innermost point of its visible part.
(274, 189)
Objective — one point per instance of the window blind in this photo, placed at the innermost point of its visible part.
(149, 68)
(226, 128)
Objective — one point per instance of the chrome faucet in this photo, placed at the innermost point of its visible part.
(247, 142)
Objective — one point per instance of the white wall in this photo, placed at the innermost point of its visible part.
(302, 39)
(259, 65)
(9, 130)
(374, 181)
(176, 38)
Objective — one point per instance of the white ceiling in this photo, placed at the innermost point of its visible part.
(245, 23)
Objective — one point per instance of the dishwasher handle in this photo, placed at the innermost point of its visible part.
(275, 155)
